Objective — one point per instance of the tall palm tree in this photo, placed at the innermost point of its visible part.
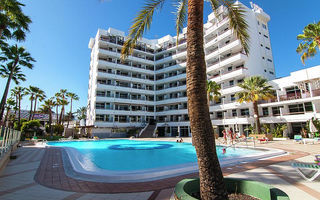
(63, 103)
(72, 97)
(10, 103)
(62, 94)
(255, 88)
(213, 91)
(32, 91)
(211, 179)
(57, 104)
(15, 57)
(47, 108)
(19, 92)
(310, 41)
(14, 23)
(40, 95)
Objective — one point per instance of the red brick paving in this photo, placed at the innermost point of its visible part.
(51, 174)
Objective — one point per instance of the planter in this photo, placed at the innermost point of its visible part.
(186, 187)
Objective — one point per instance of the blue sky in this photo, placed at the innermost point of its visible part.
(61, 29)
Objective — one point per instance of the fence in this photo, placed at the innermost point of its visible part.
(8, 138)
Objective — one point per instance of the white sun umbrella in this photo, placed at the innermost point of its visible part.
(312, 127)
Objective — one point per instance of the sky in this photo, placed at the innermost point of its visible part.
(61, 29)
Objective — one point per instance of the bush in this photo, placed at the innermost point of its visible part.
(57, 129)
(31, 127)
(17, 125)
(133, 132)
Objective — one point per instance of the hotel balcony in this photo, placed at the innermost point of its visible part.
(123, 77)
(171, 68)
(234, 59)
(217, 39)
(229, 74)
(119, 88)
(125, 100)
(234, 45)
(172, 78)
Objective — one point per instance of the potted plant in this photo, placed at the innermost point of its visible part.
(189, 189)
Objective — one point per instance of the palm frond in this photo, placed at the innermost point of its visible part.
(140, 24)
(181, 16)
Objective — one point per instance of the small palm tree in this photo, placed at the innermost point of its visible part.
(19, 92)
(32, 91)
(211, 179)
(47, 108)
(72, 97)
(9, 105)
(62, 94)
(255, 88)
(310, 41)
(40, 95)
(213, 91)
(14, 23)
(82, 113)
(16, 57)
(57, 105)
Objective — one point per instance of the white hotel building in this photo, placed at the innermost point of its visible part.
(151, 84)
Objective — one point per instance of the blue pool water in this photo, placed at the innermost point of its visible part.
(123, 155)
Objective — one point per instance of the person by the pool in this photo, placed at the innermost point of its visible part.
(180, 141)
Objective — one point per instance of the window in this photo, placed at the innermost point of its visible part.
(99, 117)
(269, 60)
(263, 58)
(298, 108)
(231, 83)
(265, 111)
(233, 98)
(258, 23)
(265, 36)
(308, 107)
(100, 106)
(270, 72)
(261, 45)
(101, 93)
(264, 26)
(219, 115)
(265, 70)
(268, 48)
(276, 111)
(244, 112)
(229, 68)
(240, 80)
(260, 33)
(234, 113)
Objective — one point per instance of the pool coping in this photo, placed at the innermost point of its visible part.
(78, 167)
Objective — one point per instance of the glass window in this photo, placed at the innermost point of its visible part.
(244, 112)
(265, 111)
(276, 111)
(99, 117)
(233, 98)
(100, 106)
(234, 113)
(308, 107)
(231, 83)
(298, 108)
(264, 26)
(219, 115)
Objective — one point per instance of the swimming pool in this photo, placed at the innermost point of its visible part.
(132, 160)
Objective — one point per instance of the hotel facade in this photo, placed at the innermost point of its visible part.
(150, 86)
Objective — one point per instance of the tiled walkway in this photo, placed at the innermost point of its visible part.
(17, 181)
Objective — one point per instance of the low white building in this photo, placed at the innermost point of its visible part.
(151, 84)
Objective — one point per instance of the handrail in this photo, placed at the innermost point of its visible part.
(10, 137)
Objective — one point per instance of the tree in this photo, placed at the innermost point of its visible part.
(57, 104)
(310, 41)
(19, 92)
(32, 91)
(72, 97)
(255, 88)
(14, 23)
(213, 91)
(39, 95)
(15, 57)
(62, 95)
(82, 113)
(211, 179)
(63, 103)
(47, 108)
(10, 103)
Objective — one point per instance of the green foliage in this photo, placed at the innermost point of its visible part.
(82, 113)
(266, 128)
(310, 41)
(58, 129)
(17, 125)
(213, 91)
(277, 132)
(31, 127)
(133, 132)
(49, 138)
(316, 123)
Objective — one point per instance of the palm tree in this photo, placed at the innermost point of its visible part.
(47, 108)
(82, 113)
(18, 92)
(63, 103)
(255, 88)
(62, 94)
(211, 179)
(32, 91)
(72, 97)
(57, 104)
(16, 57)
(310, 41)
(213, 91)
(14, 23)
(10, 103)
(40, 95)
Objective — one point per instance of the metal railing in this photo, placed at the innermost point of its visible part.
(8, 138)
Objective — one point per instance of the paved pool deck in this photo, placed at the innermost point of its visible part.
(38, 173)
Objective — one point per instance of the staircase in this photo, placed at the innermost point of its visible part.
(148, 131)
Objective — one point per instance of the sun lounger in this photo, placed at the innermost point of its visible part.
(64, 139)
(298, 138)
(312, 171)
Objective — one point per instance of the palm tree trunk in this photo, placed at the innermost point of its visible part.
(257, 117)
(19, 114)
(50, 122)
(5, 94)
(70, 112)
(6, 118)
(15, 111)
(57, 114)
(61, 113)
(211, 179)
(31, 105)
(35, 107)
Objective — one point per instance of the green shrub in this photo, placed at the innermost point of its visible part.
(17, 125)
(31, 127)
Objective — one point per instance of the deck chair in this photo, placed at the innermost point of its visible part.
(298, 138)
(308, 171)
